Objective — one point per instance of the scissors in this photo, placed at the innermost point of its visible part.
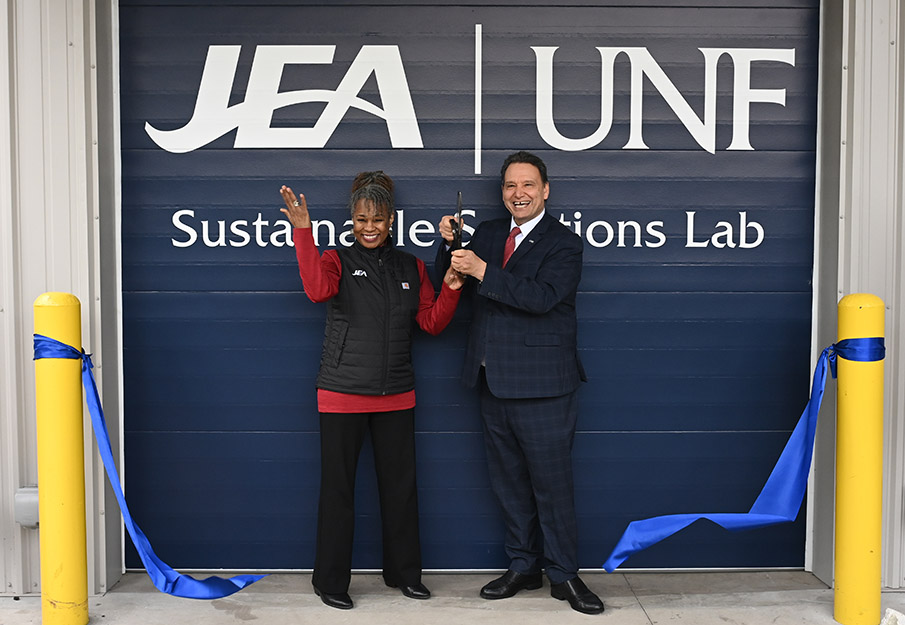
(456, 228)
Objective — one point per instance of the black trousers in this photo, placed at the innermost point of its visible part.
(529, 456)
(393, 440)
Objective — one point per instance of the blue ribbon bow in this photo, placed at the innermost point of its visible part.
(165, 579)
(780, 499)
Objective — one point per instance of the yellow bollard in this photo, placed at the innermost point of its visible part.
(61, 467)
(859, 467)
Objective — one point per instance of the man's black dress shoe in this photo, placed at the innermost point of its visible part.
(340, 600)
(412, 591)
(510, 583)
(578, 595)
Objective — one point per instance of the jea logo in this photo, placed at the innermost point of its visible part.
(213, 117)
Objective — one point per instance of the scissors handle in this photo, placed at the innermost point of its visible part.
(454, 224)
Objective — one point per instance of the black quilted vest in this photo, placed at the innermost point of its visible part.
(368, 336)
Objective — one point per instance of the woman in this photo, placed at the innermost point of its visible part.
(366, 381)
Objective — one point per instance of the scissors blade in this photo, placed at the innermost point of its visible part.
(459, 208)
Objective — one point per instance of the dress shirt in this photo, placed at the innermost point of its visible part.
(525, 228)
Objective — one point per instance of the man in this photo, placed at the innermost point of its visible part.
(522, 352)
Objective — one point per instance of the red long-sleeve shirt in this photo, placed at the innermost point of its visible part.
(321, 274)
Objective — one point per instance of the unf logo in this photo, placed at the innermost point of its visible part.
(213, 117)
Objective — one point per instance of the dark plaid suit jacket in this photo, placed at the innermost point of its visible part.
(524, 327)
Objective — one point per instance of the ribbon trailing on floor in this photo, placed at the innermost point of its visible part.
(780, 499)
(165, 579)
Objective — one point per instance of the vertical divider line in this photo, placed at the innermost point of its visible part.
(477, 97)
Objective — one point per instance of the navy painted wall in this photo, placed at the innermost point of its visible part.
(697, 356)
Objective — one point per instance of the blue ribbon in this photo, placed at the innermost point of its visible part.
(165, 579)
(781, 497)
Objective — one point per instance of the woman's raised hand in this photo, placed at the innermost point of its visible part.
(296, 208)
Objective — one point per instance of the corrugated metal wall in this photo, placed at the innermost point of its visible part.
(57, 116)
(872, 218)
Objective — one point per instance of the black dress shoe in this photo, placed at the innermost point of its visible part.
(340, 600)
(412, 591)
(510, 583)
(577, 594)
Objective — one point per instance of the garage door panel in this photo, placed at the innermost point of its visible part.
(695, 332)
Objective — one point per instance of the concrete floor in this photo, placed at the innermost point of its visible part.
(749, 598)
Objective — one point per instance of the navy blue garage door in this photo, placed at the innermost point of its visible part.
(680, 141)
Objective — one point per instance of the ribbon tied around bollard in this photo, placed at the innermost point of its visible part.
(164, 578)
(780, 499)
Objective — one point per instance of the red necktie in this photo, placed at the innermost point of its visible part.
(510, 244)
